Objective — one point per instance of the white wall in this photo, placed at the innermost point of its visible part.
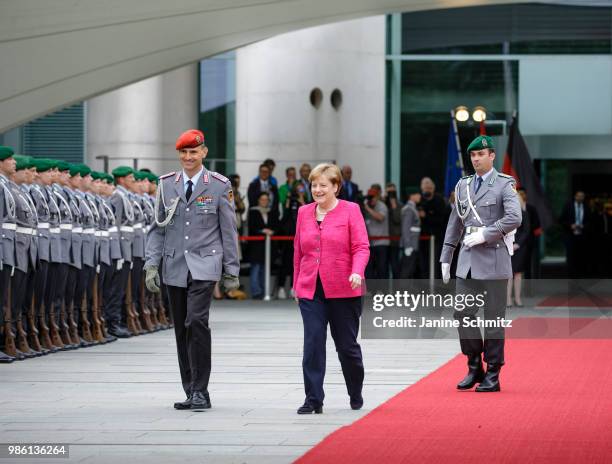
(143, 120)
(275, 118)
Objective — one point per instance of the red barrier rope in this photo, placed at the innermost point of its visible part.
(261, 238)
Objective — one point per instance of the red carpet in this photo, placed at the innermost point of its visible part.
(555, 407)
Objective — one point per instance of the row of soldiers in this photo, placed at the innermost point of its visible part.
(72, 256)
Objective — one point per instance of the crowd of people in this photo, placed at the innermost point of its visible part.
(400, 226)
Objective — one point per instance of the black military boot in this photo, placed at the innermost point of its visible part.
(199, 401)
(491, 380)
(183, 404)
(475, 373)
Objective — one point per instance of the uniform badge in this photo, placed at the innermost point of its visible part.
(204, 200)
(230, 195)
(484, 142)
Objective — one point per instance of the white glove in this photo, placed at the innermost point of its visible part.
(445, 272)
(475, 238)
(131, 264)
(408, 251)
(98, 269)
(119, 264)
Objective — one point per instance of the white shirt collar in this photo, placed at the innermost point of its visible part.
(486, 175)
(193, 179)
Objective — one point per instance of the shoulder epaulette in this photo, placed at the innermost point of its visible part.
(218, 176)
(467, 177)
(170, 174)
(501, 174)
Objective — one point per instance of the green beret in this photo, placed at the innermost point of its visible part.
(62, 165)
(411, 189)
(152, 177)
(5, 152)
(141, 175)
(122, 171)
(23, 162)
(43, 164)
(75, 169)
(108, 178)
(95, 175)
(85, 170)
(481, 142)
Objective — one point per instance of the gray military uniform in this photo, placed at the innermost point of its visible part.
(488, 264)
(124, 219)
(198, 242)
(498, 206)
(411, 227)
(201, 238)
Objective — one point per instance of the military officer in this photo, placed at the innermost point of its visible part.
(124, 220)
(483, 220)
(411, 234)
(8, 226)
(195, 233)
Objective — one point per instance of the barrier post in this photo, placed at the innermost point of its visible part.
(432, 259)
(267, 268)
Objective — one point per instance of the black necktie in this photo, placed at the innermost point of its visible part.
(189, 190)
(478, 184)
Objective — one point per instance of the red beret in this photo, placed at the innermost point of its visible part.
(190, 139)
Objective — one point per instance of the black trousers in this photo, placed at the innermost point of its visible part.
(82, 294)
(118, 285)
(105, 289)
(56, 285)
(18, 294)
(72, 279)
(138, 264)
(5, 282)
(40, 284)
(409, 265)
(342, 314)
(471, 340)
(190, 310)
(395, 260)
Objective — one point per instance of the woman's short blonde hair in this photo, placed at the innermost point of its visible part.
(331, 171)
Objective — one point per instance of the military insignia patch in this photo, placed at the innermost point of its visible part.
(204, 200)
(484, 142)
(230, 195)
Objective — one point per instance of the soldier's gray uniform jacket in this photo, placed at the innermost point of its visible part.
(25, 218)
(201, 238)
(124, 220)
(498, 206)
(114, 240)
(88, 224)
(411, 227)
(31, 210)
(76, 256)
(138, 244)
(65, 222)
(8, 223)
(47, 218)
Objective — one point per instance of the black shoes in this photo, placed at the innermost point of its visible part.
(184, 404)
(475, 373)
(357, 402)
(5, 358)
(491, 379)
(307, 408)
(199, 401)
(119, 332)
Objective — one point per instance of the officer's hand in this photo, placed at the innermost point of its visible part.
(475, 238)
(119, 264)
(229, 282)
(408, 251)
(355, 280)
(445, 272)
(1, 266)
(98, 269)
(152, 279)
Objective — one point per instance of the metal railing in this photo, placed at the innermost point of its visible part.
(268, 254)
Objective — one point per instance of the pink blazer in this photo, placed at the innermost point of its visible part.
(336, 249)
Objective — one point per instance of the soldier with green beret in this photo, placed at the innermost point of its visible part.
(7, 248)
(123, 210)
(411, 233)
(484, 219)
